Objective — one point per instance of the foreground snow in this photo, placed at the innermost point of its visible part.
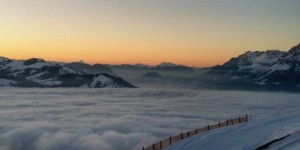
(248, 136)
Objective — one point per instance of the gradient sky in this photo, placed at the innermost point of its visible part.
(190, 32)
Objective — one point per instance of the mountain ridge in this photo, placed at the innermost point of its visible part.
(36, 72)
(260, 69)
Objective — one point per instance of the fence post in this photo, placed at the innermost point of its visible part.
(219, 124)
(208, 127)
(153, 147)
(231, 121)
(246, 117)
(160, 145)
(181, 136)
(239, 119)
(196, 131)
(170, 140)
(143, 148)
(227, 122)
(188, 134)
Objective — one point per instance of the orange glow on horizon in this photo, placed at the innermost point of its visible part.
(192, 33)
(112, 61)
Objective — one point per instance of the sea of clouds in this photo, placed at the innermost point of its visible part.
(122, 119)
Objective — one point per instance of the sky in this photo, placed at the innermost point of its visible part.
(190, 32)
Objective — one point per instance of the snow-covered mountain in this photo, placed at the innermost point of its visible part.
(268, 69)
(36, 72)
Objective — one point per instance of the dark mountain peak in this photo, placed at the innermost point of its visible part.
(273, 51)
(32, 61)
(140, 65)
(251, 54)
(243, 60)
(3, 58)
(90, 69)
(99, 66)
(78, 63)
(152, 75)
(259, 57)
(168, 64)
(295, 49)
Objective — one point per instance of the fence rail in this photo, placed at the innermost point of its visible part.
(171, 140)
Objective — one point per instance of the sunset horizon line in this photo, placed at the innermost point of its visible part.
(115, 64)
(153, 64)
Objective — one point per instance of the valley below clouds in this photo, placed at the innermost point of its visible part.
(127, 119)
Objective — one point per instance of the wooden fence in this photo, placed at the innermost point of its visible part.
(171, 140)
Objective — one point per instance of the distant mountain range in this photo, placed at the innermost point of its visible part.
(39, 73)
(253, 70)
(271, 69)
(167, 66)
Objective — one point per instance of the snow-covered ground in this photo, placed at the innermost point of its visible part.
(128, 119)
(248, 136)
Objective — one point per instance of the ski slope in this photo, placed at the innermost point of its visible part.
(274, 133)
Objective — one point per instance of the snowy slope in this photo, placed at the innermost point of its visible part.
(104, 80)
(248, 136)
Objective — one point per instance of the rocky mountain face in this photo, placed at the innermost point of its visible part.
(39, 73)
(272, 69)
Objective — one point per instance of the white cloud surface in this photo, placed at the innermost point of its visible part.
(127, 119)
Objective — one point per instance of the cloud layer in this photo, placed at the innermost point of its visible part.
(127, 119)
